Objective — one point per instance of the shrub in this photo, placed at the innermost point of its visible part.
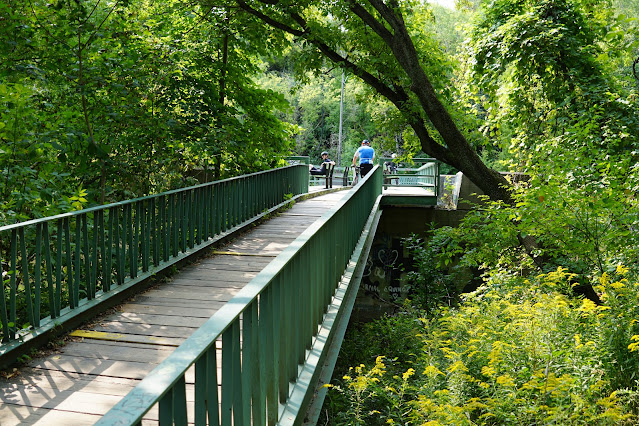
(518, 353)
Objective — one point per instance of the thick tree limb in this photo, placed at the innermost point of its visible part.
(457, 152)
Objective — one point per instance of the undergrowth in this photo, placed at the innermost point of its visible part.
(522, 352)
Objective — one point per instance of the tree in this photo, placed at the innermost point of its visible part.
(542, 84)
(120, 99)
(383, 43)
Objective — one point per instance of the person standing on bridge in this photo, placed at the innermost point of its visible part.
(366, 156)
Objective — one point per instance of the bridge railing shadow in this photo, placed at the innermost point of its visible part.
(267, 335)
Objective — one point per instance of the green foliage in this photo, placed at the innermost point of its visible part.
(515, 352)
(127, 98)
(540, 82)
(433, 284)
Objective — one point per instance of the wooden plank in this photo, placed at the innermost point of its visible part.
(218, 278)
(94, 366)
(129, 338)
(216, 294)
(15, 415)
(235, 263)
(181, 303)
(117, 351)
(115, 330)
(151, 319)
(53, 380)
(177, 309)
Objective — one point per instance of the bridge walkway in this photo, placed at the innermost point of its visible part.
(80, 381)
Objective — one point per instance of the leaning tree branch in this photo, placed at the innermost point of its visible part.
(397, 95)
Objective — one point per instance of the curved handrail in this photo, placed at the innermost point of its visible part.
(264, 331)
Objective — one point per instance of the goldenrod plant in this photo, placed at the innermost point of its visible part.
(519, 353)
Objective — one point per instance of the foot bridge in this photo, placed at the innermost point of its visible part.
(224, 303)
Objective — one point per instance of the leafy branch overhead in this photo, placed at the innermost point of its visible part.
(376, 42)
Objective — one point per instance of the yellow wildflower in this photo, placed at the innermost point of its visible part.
(432, 371)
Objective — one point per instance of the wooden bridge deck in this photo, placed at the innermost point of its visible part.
(102, 362)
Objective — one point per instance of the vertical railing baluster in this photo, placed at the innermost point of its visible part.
(135, 239)
(179, 403)
(217, 210)
(238, 394)
(13, 289)
(199, 211)
(248, 326)
(221, 204)
(257, 386)
(25, 275)
(144, 234)
(188, 220)
(93, 254)
(108, 261)
(173, 229)
(287, 320)
(149, 214)
(212, 385)
(206, 213)
(196, 211)
(200, 388)
(48, 262)
(37, 272)
(242, 197)
(68, 254)
(156, 235)
(270, 356)
(227, 378)
(88, 284)
(264, 358)
(100, 267)
(229, 202)
(179, 221)
(127, 242)
(4, 315)
(190, 215)
(303, 295)
(118, 244)
(230, 195)
(161, 230)
(58, 265)
(166, 414)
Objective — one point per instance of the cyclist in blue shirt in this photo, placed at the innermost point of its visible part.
(366, 156)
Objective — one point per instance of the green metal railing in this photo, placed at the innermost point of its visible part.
(55, 265)
(425, 176)
(263, 336)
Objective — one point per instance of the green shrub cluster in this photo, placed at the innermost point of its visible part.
(519, 353)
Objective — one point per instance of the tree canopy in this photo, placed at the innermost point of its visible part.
(103, 101)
